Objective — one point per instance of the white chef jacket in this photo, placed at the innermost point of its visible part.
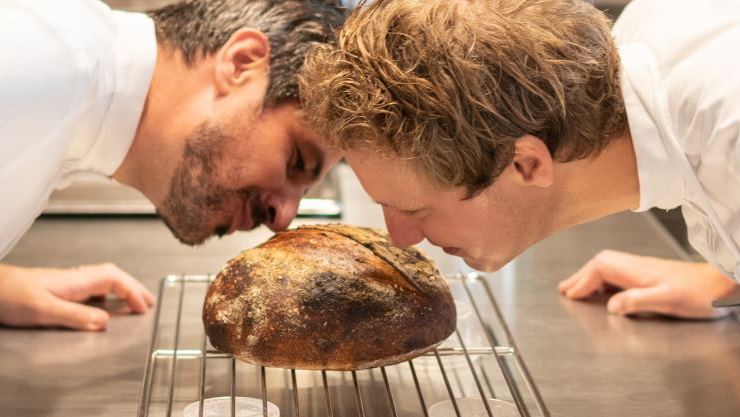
(74, 77)
(681, 86)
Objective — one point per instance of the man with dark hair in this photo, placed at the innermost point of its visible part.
(195, 105)
(486, 125)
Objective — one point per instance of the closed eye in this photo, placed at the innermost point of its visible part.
(314, 166)
(297, 161)
(407, 212)
(410, 212)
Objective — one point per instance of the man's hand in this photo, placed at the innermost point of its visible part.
(674, 288)
(50, 297)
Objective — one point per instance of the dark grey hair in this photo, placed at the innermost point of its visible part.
(199, 28)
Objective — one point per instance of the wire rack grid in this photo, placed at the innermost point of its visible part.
(479, 361)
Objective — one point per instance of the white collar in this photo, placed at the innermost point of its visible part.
(661, 184)
(135, 59)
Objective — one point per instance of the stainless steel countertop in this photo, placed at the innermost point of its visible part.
(584, 361)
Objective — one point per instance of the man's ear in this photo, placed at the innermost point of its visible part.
(532, 164)
(245, 55)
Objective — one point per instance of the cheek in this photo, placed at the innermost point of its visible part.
(245, 172)
(478, 226)
(254, 166)
(256, 155)
(453, 226)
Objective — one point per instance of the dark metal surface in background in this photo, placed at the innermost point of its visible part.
(137, 5)
(613, 7)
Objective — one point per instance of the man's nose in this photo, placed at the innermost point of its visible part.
(282, 207)
(404, 232)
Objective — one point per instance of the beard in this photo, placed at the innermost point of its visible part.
(197, 206)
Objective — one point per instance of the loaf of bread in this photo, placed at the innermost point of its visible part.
(332, 297)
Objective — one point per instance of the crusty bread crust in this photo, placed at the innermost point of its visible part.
(332, 297)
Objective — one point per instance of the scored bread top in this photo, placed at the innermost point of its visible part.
(328, 297)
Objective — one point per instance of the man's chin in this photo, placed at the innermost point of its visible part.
(484, 265)
(188, 237)
(195, 239)
(190, 240)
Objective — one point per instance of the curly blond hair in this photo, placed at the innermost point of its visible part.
(452, 84)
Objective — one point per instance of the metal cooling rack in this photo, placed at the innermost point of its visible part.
(479, 360)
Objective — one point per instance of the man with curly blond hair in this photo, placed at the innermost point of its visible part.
(486, 125)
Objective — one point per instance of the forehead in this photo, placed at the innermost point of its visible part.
(389, 178)
(287, 119)
(278, 132)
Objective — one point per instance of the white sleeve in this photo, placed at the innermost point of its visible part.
(49, 73)
(702, 90)
(703, 93)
